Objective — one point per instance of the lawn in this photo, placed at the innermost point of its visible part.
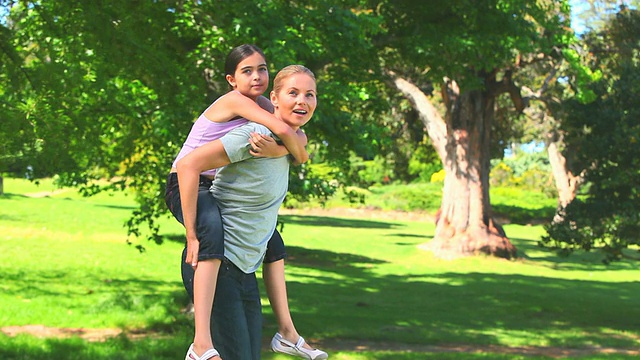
(359, 287)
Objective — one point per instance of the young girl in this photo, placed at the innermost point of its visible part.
(247, 74)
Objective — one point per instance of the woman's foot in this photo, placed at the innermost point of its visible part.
(207, 355)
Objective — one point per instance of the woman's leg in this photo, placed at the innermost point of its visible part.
(276, 286)
(237, 314)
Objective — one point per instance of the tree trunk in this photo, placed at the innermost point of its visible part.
(567, 184)
(1, 186)
(465, 225)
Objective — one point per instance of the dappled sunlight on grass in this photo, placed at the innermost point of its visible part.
(360, 282)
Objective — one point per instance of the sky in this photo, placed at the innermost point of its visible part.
(577, 24)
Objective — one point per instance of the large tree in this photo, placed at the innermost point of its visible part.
(472, 51)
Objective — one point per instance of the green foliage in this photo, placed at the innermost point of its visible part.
(369, 172)
(311, 182)
(424, 197)
(524, 170)
(520, 206)
(424, 162)
(97, 91)
(606, 132)
(446, 37)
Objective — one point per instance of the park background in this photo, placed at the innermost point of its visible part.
(472, 190)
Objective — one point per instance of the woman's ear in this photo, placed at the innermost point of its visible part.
(274, 99)
(231, 80)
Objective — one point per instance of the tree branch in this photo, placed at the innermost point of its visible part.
(431, 118)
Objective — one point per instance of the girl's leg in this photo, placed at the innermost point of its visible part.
(201, 283)
(211, 250)
(204, 289)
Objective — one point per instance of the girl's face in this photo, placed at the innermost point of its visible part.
(251, 77)
(296, 100)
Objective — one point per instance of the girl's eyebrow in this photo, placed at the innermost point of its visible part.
(249, 66)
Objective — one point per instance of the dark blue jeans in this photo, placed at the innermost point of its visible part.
(236, 320)
(209, 228)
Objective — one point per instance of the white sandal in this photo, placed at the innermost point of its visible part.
(209, 354)
(282, 345)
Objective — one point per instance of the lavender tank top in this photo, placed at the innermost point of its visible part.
(204, 131)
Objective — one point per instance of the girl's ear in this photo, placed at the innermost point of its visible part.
(231, 80)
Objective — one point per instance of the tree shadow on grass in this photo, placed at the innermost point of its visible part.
(355, 302)
(117, 207)
(316, 221)
(523, 216)
(12, 196)
(120, 348)
(578, 260)
(326, 260)
(341, 295)
(338, 295)
(335, 222)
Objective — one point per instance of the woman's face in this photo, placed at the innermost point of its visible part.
(296, 100)
(251, 78)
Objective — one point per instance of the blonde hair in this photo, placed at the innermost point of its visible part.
(288, 71)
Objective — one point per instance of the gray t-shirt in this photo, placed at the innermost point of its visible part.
(249, 192)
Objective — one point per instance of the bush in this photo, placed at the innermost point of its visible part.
(412, 197)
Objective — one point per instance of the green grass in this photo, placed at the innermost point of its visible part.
(65, 262)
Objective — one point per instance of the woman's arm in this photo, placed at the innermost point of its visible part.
(208, 156)
(235, 104)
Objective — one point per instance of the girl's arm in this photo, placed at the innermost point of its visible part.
(266, 146)
(209, 156)
(235, 104)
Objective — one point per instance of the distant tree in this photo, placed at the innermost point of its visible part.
(605, 134)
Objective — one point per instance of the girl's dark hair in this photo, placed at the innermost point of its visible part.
(238, 54)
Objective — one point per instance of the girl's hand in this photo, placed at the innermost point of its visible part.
(265, 146)
(193, 246)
